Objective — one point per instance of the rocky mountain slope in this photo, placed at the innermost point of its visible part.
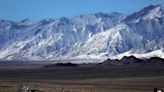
(133, 60)
(96, 35)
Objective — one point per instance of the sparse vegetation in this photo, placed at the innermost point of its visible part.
(72, 88)
(102, 77)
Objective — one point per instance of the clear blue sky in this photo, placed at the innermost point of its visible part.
(39, 9)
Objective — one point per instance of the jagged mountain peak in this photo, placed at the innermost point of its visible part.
(107, 15)
(46, 21)
(24, 20)
(149, 12)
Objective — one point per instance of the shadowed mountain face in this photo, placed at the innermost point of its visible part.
(130, 60)
(96, 35)
(133, 60)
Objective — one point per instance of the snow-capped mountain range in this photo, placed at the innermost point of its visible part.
(98, 35)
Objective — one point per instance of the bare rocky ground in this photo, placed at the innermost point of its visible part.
(141, 77)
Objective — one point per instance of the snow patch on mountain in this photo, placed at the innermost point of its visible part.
(156, 53)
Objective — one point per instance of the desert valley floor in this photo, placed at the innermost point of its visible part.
(84, 78)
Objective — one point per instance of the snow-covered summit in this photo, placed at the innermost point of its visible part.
(96, 35)
(150, 12)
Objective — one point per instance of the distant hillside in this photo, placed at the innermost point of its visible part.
(133, 60)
